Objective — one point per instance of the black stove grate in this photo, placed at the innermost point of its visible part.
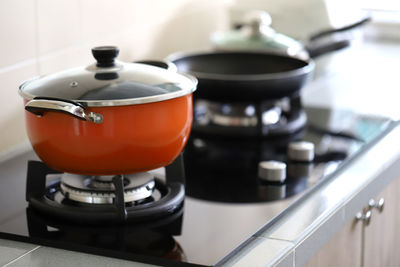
(40, 195)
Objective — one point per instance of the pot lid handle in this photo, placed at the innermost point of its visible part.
(105, 55)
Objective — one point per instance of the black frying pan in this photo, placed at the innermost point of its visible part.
(244, 76)
(252, 76)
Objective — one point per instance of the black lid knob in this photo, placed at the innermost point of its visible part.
(105, 55)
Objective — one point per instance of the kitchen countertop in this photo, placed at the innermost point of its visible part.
(360, 78)
(306, 226)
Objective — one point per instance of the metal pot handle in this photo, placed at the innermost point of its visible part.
(40, 105)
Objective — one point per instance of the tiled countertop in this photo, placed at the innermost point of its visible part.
(362, 78)
(17, 254)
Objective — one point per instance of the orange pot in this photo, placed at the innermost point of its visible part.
(130, 139)
(107, 137)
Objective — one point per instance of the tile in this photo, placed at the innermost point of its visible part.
(17, 27)
(59, 24)
(13, 130)
(298, 223)
(147, 32)
(262, 252)
(188, 31)
(11, 250)
(64, 59)
(111, 18)
(52, 257)
(12, 109)
(318, 238)
(139, 30)
(114, 17)
(10, 80)
(287, 261)
(307, 221)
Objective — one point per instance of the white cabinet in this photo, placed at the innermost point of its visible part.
(367, 244)
(382, 235)
(343, 250)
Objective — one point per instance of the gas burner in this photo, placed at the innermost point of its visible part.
(272, 117)
(116, 199)
(101, 189)
(235, 163)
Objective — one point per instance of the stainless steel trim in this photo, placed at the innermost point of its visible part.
(42, 105)
(107, 198)
(118, 66)
(124, 102)
(101, 189)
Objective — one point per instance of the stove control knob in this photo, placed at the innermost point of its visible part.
(272, 171)
(301, 151)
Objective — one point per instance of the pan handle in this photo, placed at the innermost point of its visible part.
(316, 47)
(324, 48)
(165, 64)
(40, 105)
(342, 29)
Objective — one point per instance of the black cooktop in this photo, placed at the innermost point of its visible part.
(225, 201)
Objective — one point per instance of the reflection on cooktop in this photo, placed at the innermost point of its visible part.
(225, 200)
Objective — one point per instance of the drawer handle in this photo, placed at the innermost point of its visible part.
(365, 218)
(372, 204)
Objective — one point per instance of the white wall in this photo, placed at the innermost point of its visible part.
(45, 36)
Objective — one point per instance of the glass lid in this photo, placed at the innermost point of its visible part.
(256, 34)
(240, 40)
(109, 82)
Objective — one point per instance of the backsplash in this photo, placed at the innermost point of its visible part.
(45, 36)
